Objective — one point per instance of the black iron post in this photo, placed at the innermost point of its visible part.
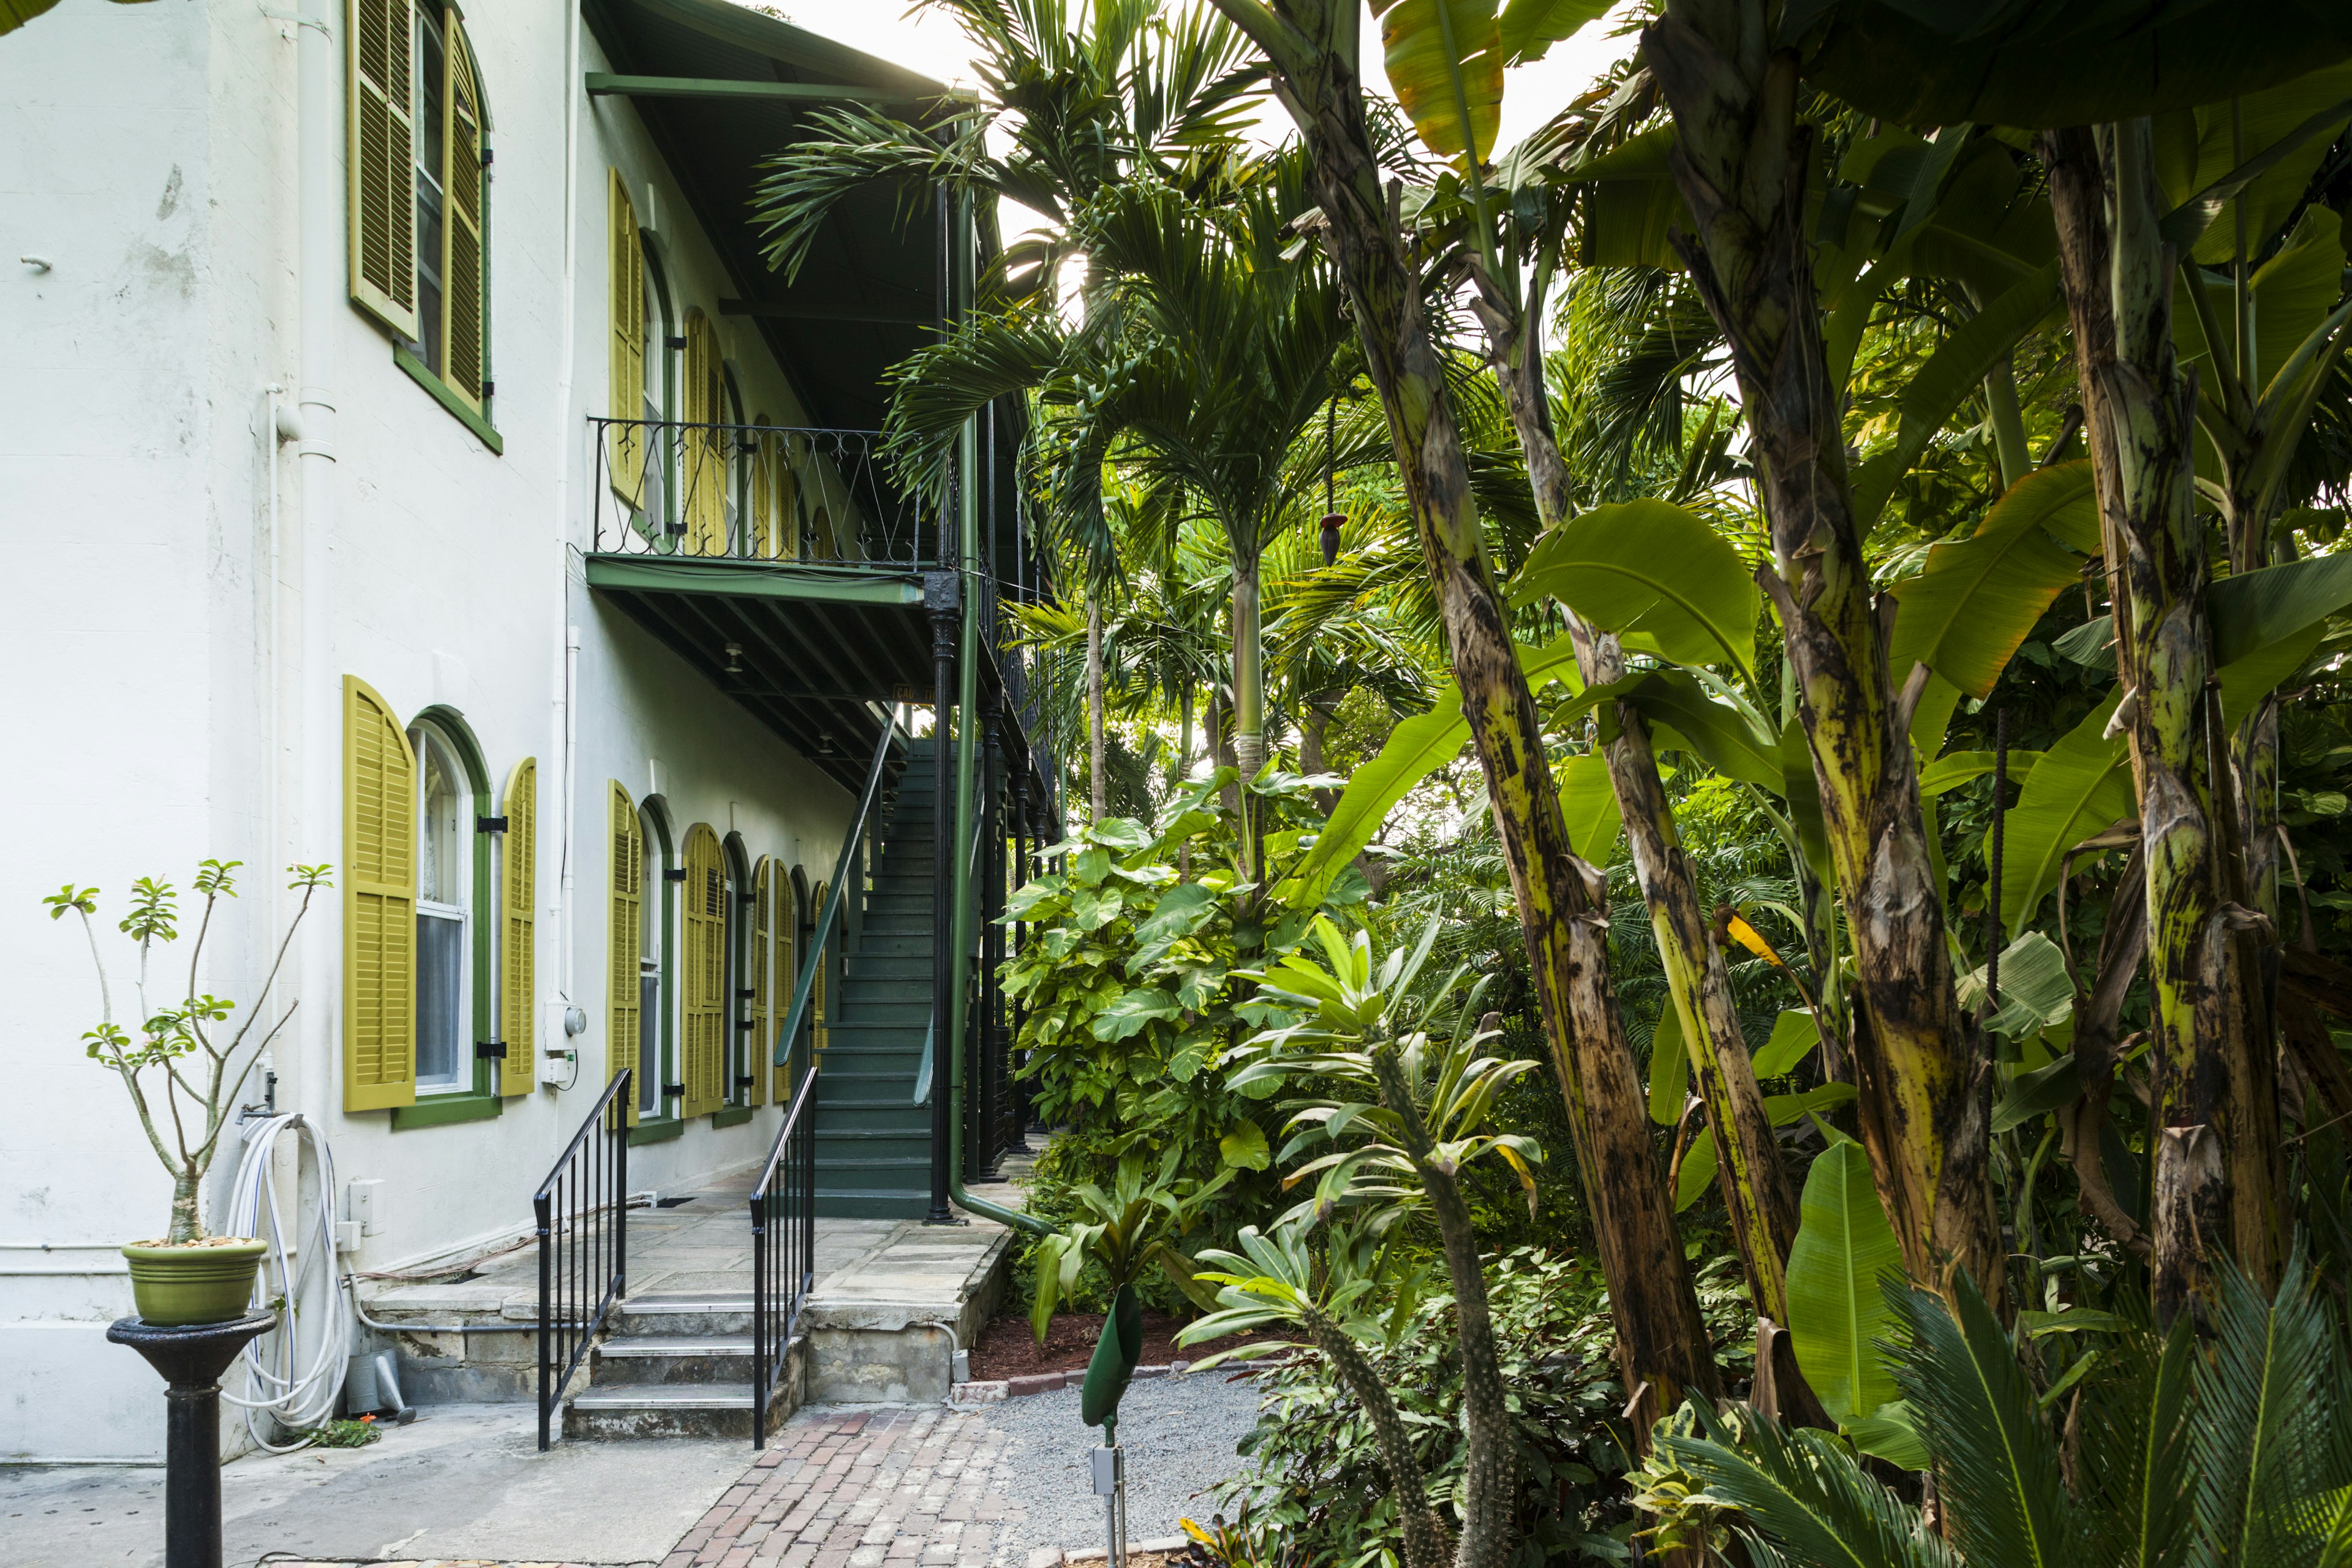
(1016, 822)
(941, 599)
(991, 940)
(192, 1359)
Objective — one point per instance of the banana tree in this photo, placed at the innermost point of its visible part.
(1311, 49)
(1360, 1023)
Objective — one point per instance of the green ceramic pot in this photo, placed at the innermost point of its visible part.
(208, 1282)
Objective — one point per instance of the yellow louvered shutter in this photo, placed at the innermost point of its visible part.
(824, 963)
(626, 287)
(705, 506)
(380, 155)
(464, 303)
(763, 493)
(763, 989)
(379, 904)
(626, 884)
(702, 1005)
(517, 932)
(788, 976)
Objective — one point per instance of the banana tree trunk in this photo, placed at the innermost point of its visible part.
(1923, 1079)
(1662, 1345)
(1097, 784)
(1749, 1172)
(2218, 1159)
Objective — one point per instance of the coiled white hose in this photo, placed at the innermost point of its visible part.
(301, 1281)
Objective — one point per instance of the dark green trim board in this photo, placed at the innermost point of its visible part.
(656, 1131)
(731, 1116)
(446, 1109)
(756, 579)
(784, 310)
(607, 84)
(482, 428)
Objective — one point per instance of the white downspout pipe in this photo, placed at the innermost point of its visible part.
(567, 635)
(321, 188)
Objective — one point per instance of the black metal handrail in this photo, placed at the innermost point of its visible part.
(750, 492)
(784, 1248)
(829, 914)
(581, 1212)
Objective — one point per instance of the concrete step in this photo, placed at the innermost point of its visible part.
(641, 1360)
(670, 1410)
(874, 1203)
(673, 1316)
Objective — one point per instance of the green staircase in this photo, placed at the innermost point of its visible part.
(873, 1137)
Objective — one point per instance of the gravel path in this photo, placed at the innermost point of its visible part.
(1179, 1434)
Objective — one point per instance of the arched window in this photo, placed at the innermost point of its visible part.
(445, 878)
(742, 983)
(702, 974)
(653, 952)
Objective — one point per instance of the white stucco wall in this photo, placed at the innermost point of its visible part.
(165, 697)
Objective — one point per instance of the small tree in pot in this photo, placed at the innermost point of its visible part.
(188, 1276)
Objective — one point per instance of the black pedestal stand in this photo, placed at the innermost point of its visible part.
(191, 1360)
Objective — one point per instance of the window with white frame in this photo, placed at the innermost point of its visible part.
(651, 1023)
(445, 913)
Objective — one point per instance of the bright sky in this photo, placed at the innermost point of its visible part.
(928, 41)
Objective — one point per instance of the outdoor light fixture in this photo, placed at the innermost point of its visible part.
(734, 659)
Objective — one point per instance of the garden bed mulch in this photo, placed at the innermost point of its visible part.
(1007, 1347)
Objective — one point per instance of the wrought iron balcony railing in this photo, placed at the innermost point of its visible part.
(753, 492)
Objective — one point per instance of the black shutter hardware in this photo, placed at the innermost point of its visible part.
(746, 1081)
(489, 825)
(674, 874)
(489, 1050)
(674, 1091)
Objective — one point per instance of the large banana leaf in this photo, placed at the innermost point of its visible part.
(1669, 1068)
(1416, 747)
(1631, 203)
(1530, 27)
(1794, 1036)
(2295, 292)
(2044, 63)
(1954, 769)
(1589, 802)
(2197, 148)
(1683, 716)
(1966, 614)
(2082, 784)
(1653, 574)
(2254, 610)
(1997, 1467)
(1837, 1312)
(1444, 60)
(1953, 374)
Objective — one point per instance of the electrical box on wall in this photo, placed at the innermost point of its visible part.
(561, 1024)
(359, 1202)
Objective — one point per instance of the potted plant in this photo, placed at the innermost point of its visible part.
(187, 1276)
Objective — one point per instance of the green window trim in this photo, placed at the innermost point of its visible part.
(417, 371)
(661, 1132)
(446, 1109)
(731, 1116)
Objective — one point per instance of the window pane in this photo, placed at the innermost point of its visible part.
(432, 150)
(440, 973)
(440, 868)
(648, 1044)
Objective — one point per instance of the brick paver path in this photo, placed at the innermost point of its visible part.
(883, 1488)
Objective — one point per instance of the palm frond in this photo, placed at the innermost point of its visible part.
(1805, 1493)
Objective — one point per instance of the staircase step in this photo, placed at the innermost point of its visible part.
(668, 1410)
(670, 1360)
(874, 1203)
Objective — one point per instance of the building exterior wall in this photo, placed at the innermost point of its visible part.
(179, 655)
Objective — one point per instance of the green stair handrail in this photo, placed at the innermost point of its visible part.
(829, 916)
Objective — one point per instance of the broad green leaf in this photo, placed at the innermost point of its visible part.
(1441, 62)
(1966, 614)
(1801, 789)
(2254, 677)
(1245, 1147)
(2091, 645)
(1091, 908)
(1530, 27)
(1683, 716)
(1182, 910)
(2035, 989)
(2254, 610)
(2036, 1093)
(1669, 1068)
(1090, 866)
(1954, 769)
(1118, 832)
(1954, 374)
(1793, 1039)
(1697, 1169)
(1657, 576)
(1588, 801)
(1631, 205)
(1416, 747)
(1887, 1434)
(2294, 293)
(2060, 62)
(2082, 784)
(1131, 1011)
(2199, 148)
(1837, 1312)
